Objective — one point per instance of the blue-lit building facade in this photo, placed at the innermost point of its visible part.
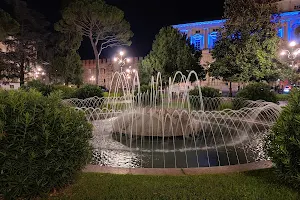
(203, 36)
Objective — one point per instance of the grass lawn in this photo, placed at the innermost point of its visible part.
(261, 184)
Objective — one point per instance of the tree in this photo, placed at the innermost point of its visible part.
(23, 45)
(103, 24)
(8, 25)
(171, 52)
(247, 46)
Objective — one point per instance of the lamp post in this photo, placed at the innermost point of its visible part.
(121, 60)
(292, 55)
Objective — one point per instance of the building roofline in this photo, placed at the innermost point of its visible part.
(284, 14)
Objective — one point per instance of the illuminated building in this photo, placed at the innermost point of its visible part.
(203, 35)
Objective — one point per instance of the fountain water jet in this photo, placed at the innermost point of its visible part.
(159, 130)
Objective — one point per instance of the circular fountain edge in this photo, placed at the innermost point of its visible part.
(181, 171)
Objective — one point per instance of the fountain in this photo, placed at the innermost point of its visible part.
(158, 129)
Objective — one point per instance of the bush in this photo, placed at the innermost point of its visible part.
(43, 144)
(88, 91)
(257, 91)
(209, 98)
(283, 144)
(226, 105)
(67, 92)
(282, 97)
(39, 86)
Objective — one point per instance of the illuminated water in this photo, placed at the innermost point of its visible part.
(158, 129)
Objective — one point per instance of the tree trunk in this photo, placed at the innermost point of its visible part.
(97, 70)
(22, 74)
(96, 54)
(230, 89)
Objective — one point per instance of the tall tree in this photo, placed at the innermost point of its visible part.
(171, 52)
(25, 44)
(8, 25)
(66, 63)
(247, 46)
(103, 24)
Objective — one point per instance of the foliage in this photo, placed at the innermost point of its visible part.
(226, 105)
(209, 98)
(257, 91)
(38, 86)
(147, 95)
(206, 92)
(282, 97)
(25, 43)
(283, 144)
(8, 25)
(66, 65)
(67, 92)
(247, 46)
(88, 91)
(103, 24)
(107, 94)
(43, 144)
(171, 52)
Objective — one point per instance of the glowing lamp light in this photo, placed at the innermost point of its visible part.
(283, 53)
(127, 70)
(39, 69)
(134, 70)
(128, 60)
(92, 78)
(115, 59)
(293, 43)
(43, 73)
(121, 53)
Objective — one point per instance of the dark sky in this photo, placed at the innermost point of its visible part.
(146, 18)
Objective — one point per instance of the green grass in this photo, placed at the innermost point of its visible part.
(261, 184)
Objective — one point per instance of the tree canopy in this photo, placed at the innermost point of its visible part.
(8, 25)
(24, 44)
(247, 45)
(171, 52)
(103, 24)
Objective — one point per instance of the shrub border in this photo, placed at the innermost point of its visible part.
(180, 171)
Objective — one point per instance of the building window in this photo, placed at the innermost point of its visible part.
(212, 38)
(198, 31)
(90, 71)
(103, 71)
(12, 86)
(297, 7)
(104, 80)
(198, 41)
(280, 32)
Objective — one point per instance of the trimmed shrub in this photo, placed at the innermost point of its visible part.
(283, 144)
(282, 97)
(43, 144)
(39, 86)
(209, 98)
(88, 91)
(257, 91)
(67, 92)
(226, 105)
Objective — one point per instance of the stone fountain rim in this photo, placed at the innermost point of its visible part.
(264, 164)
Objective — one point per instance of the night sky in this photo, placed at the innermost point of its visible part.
(146, 17)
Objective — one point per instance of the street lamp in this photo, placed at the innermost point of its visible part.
(291, 54)
(120, 60)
